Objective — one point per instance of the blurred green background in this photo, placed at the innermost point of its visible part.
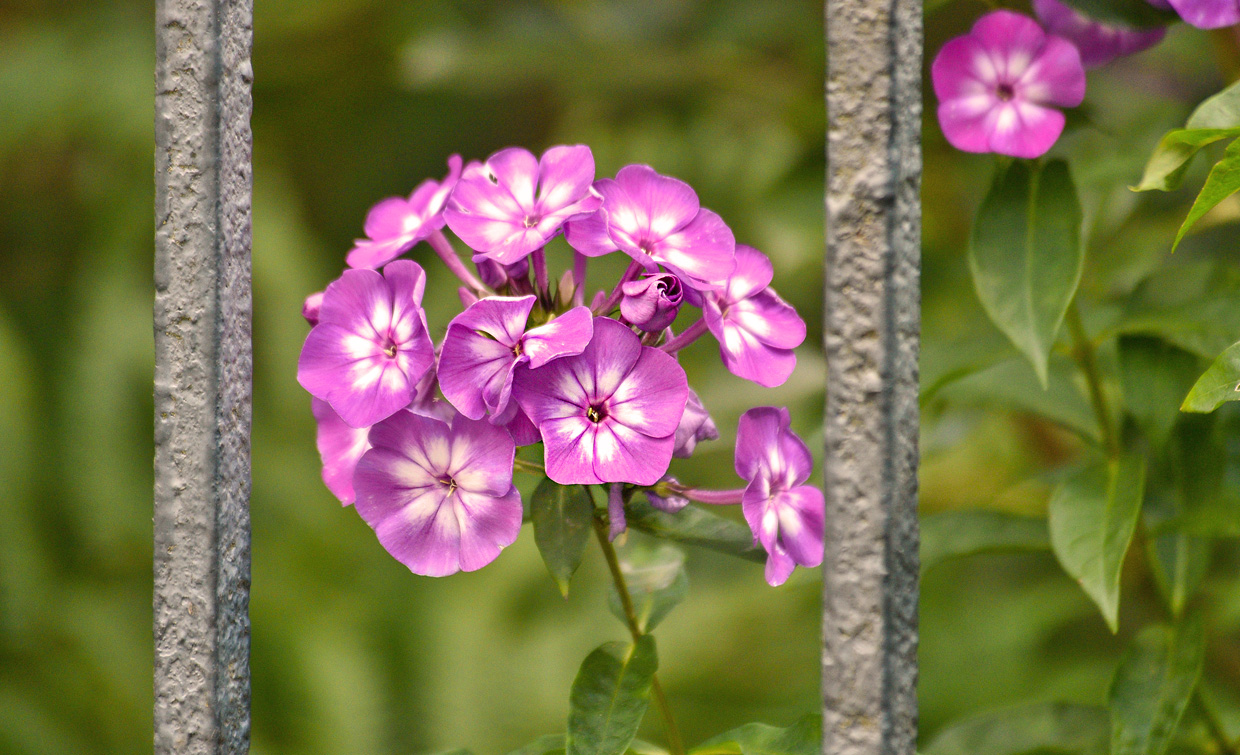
(356, 100)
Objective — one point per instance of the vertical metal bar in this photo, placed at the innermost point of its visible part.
(872, 323)
(202, 376)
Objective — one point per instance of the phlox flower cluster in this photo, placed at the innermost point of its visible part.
(1002, 87)
(419, 426)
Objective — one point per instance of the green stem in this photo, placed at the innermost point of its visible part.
(528, 466)
(1086, 357)
(674, 742)
(1216, 729)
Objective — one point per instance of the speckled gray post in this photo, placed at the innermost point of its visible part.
(202, 376)
(869, 662)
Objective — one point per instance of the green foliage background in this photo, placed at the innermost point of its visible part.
(360, 99)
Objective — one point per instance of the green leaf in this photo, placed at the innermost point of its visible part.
(1013, 385)
(1179, 562)
(1153, 686)
(1135, 13)
(1155, 375)
(1223, 181)
(609, 697)
(1219, 384)
(695, 526)
(802, 738)
(1026, 255)
(563, 517)
(1170, 160)
(1092, 519)
(1221, 110)
(656, 579)
(952, 534)
(1027, 729)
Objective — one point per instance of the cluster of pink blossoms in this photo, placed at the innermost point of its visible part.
(1001, 85)
(422, 437)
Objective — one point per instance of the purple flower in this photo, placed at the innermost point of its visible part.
(486, 344)
(657, 220)
(651, 303)
(1207, 14)
(786, 515)
(514, 204)
(439, 495)
(370, 347)
(310, 308)
(1097, 42)
(608, 414)
(695, 425)
(999, 84)
(396, 225)
(340, 447)
(756, 329)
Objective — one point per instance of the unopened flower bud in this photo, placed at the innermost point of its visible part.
(310, 309)
(497, 276)
(568, 287)
(652, 302)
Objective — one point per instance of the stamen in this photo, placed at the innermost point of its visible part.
(596, 413)
(449, 482)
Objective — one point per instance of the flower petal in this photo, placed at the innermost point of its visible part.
(758, 440)
(702, 253)
(652, 397)
(753, 273)
(963, 68)
(622, 454)
(565, 335)
(770, 319)
(516, 171)
(1024, 129)
(487, 524)
(744, 354)
(658, 205)
(1013, 41)
(340, 447)
(480, 459)
(1208, 14)
(569, 450)
(801, 524)
(1056, 76)
(564, 177)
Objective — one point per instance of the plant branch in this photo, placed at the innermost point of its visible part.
(1086, 357)
(674, 742)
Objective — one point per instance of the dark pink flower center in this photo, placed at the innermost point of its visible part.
(596, 413)
(448, 483)
(530, 221)
(1005, 92)
(389, 347)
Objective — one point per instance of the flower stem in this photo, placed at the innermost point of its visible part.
(713, 497)
(687, 337)
(674, 742)
(579, 278)
(541, 280)
(528, 466)
(444, 249)
(1086, 357)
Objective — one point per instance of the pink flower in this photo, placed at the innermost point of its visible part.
(608, 414)
(514, 204)
(757, 331)
(439, 495)
(340, 447)
(785, 514)
(998, 86)
(370, 347)
(396, 225)
(657, 220)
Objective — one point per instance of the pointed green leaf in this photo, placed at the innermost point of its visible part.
(1220, 699)
(1153, 686)
(802, 738)
(1223, 181)
(964, 533)
(609, 697)
(1092, 519)
(1026, 255)
(1220, 383)
(1027, 729)
(1174, 153)
(656, 579)
(1155, 376)
(563, 517)
(1179, 562)
(695, 526)
(1221, 110)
